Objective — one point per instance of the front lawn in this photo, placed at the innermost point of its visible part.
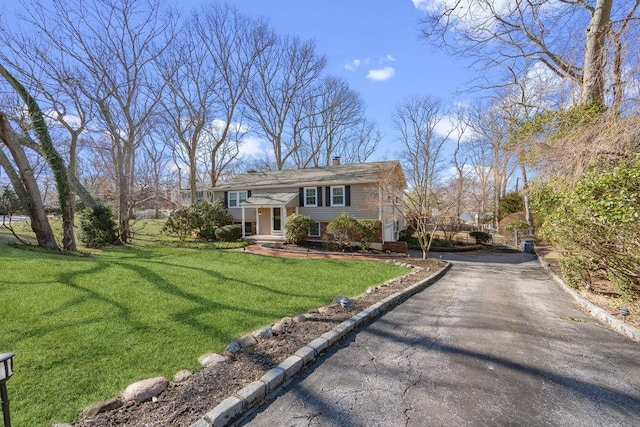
(83, 328)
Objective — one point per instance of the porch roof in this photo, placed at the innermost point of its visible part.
(269, 200)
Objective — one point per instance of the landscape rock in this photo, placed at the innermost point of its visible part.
(277, 328)
(371, 290)
(286, 321)
(247, 341)
(144, 390)
(210, 359)
(233, 347)
(264, 334)
(97, 408)
(324, 310)
(300, 318)
(182, 376)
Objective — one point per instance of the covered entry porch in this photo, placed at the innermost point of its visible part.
(271, 211)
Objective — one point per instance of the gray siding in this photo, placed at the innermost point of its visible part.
(358, 208)
(361, 207)
(236, 213)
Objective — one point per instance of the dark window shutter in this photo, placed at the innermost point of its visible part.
(328, 196)
(301, 196)
(248, 193)
(226, 199)
(319, 194)
(347, 195)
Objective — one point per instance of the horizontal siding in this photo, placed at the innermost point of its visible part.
(327, 214)
(360, 205)
(236, 213)
(358, 208)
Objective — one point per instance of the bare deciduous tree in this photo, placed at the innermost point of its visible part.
(416, 120)
(25, 185)
(568, 36)
(325, 121)
(490, 124)
(112, 48)
(285, 79)
(51, 155)
(214, 58)
(360, 143)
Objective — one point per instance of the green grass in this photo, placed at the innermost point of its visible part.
(83, 328)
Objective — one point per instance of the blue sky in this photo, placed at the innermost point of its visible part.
(373, 44)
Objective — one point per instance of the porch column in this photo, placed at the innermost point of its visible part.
(258, 221)
(284, 218)
(380, 206)
(243, 230)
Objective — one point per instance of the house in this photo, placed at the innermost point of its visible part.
(261, 201)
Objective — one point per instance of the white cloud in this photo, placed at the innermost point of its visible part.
(428, 5)
(217, 126)
(446, 127)
(390, 58)
(353, 65)
(251, 146)
(381, 74)
(71, 119)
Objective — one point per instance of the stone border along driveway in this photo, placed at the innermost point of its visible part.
(246, 398)
(602, 315)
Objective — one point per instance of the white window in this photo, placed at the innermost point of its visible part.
(237, 197)
(311, 196)
(199, 195)
(242, 196)
(337, 196)
(314, 230)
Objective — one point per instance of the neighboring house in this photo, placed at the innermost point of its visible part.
(202, 193)
(261, 201)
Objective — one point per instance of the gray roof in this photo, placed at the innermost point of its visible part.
(359, 173)
(269, 199)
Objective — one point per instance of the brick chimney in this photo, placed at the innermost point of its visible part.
(336, 161)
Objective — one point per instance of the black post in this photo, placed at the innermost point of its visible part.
(5, 404)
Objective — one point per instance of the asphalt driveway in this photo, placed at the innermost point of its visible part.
(494, 342)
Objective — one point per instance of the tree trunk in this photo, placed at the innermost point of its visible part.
(18, 188)
(76, 185)
(525, 196)
(82, 192)
(192, 175)
(53, 158)
(73, 170)
(35, 207)
(592, 90)
(617, 84)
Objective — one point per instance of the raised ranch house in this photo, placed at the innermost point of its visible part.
(261, 201)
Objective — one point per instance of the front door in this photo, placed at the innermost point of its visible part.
(389, 235)
(277, 221)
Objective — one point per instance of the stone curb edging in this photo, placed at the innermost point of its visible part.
(601, 315)
(246, 398)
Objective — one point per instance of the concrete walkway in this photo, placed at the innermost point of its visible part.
(495, 342)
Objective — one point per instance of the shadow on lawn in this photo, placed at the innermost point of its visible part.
(204, 305)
